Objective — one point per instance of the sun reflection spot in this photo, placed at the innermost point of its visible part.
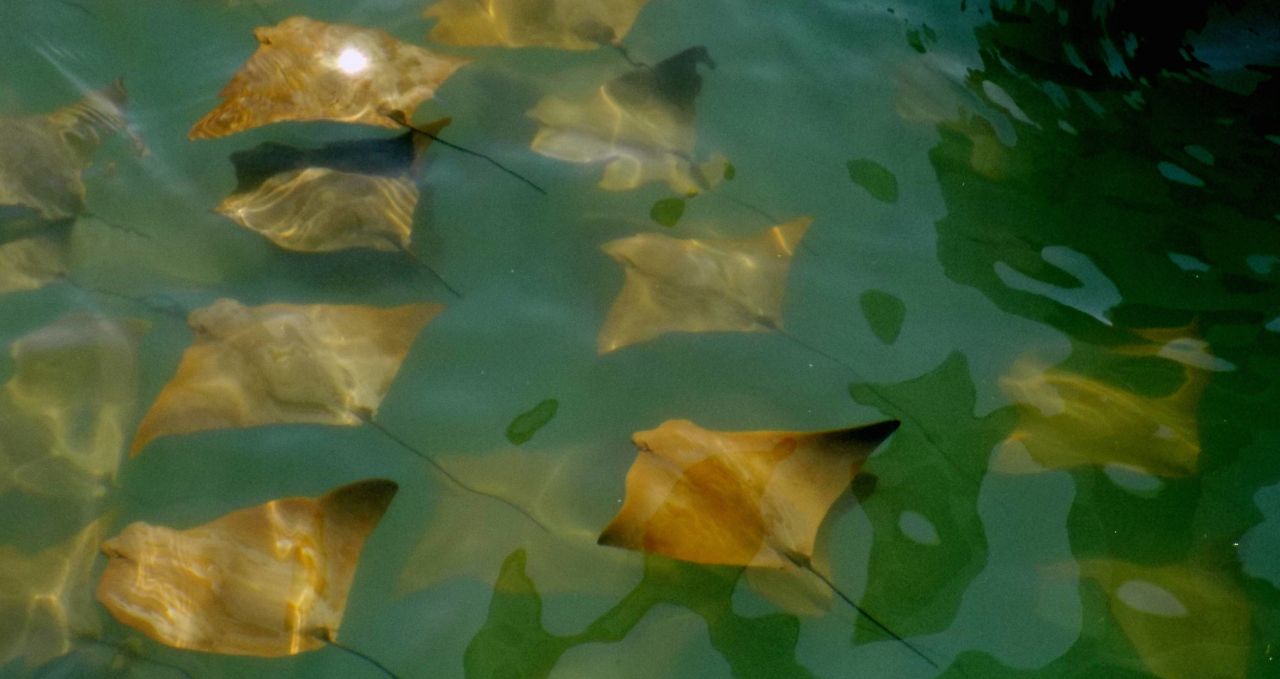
(352, 61)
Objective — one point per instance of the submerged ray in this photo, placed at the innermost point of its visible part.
(31, 263)
(699, 285)
(563, 24)
(45, 600)
(753, 498)
(640, 125)
(1070, 420)
(305, 69)
(42, 157)
(354, 194)
(66, 411)
(284, 363)
(269, 580)
(1184, 622)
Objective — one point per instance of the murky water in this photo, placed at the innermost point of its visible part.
(1045, 240)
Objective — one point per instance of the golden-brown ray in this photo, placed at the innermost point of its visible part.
(42, 157)
(699, 285)
(45, 598)
(65, 412)
(563, 24)
(284, 363)
(736, 498)
(305, 69)
(641, 125)
(269, 580)
(325, 200)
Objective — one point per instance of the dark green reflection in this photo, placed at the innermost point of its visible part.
(1126, 190)
(514, 644)
(930, 473)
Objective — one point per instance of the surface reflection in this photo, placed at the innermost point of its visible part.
(305, 69)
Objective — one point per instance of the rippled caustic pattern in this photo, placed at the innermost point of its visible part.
(269, 580)
(250, 366)
(310, 70)
(566, 24)
(736, 498)
(332, 198)
(699, 285)
(1035, 244)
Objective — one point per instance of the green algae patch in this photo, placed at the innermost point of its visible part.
(875, 178)
(884, 313)
(667, 211)
(530, 421)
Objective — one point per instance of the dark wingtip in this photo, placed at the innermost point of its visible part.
(363, 500)
(868, 434)
(882, 430)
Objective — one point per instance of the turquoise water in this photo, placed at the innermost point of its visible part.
(1058, 267)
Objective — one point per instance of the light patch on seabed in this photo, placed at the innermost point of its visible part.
(1187, 262)
(918, 528)
(1179, 174)
(1134, 480)
(1274, 325)
(1194, 352)
(1000, 98)
(1095, 296)
(1261, 264)
(1200, 153)
(1150, 598)
(1260, 546)
(668, 642)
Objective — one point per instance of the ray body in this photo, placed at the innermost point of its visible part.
(1070, 420)
(639, 125)
(283, 363)
(42, 157)
(45, 600)
(65, 412)
(345, 195)
(31, 263)
(699, 285)
(562, 24)
(736, 498)
(1183, 621)
(269, 580)
(305, 69)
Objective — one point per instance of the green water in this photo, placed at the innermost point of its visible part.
(980, 195)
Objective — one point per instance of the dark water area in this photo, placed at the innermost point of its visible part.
(398, 367)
